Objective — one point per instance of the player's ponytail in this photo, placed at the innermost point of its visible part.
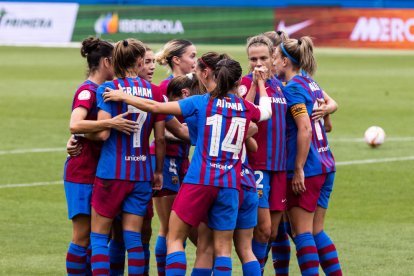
(173, 48)
(126, 55)
(227, 76)
(93, 49)
(276, 37)
(300, 53)
(210, 60)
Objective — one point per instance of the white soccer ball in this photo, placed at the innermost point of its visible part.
(374, 136)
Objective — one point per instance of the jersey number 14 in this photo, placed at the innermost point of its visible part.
(229, 144)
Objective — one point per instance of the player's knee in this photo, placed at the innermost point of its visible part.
(262, 233)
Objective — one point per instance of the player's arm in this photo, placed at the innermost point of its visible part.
(177, 130)
(141, 103)
(103, 134)
(159, 128)
(264, 101)
(251, 144)
(326, 106)
(304, 137)
(251, 94)
(73, 148)
(78, 124)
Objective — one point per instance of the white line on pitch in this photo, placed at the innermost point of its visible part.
(21, 151)
(31, 184)
(371, 161)
(357, 140)
(341, 163)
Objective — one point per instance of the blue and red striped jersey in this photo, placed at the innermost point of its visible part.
(304, 90)
(271, 137)
(126, 157)
(180, 150)
(82, 168)
(247, 174)
(222, 125)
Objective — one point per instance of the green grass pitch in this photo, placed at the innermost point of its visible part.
(371, 217)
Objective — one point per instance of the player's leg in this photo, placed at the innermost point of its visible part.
(280, 243)
(243, 235)
(301, 210)
(134, 209)
(163, 207)
(328, 254)
(146, 236)
(262, 231)
(222, 218)
(203, 264)
(78, 197)
(117, 248)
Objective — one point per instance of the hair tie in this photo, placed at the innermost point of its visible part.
(279, 33)
(205, 64)
(299, 41)
(125, 42)
(287, 54)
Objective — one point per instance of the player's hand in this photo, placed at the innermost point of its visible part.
(298, 181)
(124, 125)
(73, 147)
(260, 74)
(158, 181)
(114, 95)
(320, 111)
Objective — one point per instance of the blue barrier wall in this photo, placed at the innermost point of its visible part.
(247, 3)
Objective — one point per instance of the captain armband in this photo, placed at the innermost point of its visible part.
(298, 110)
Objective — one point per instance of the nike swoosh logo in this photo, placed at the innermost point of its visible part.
(293, 28)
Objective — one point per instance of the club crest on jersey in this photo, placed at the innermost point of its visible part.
(84, 95)
(260, 193)
(223, 104)
(242, 90)
(174, 179)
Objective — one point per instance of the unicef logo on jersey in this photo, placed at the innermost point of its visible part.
(107, 24)
(221, 167)
(136, 158)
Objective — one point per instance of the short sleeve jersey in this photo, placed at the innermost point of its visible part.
(304, 90)
(271, 137)
(222, 125)
(126, 157)
(82, 168)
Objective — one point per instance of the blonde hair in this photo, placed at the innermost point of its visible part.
(300, 53)
(173, 48)
(276, 37)
(260, 40)
(125, 55)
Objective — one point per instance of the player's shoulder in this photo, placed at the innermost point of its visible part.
(86, 91)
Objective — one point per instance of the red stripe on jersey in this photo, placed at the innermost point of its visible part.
(206, 138)
(128, 139)
(219, 110)
(118, 142)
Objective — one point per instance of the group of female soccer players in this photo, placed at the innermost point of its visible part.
(261, 169)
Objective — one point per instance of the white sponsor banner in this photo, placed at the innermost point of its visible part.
(28, 23)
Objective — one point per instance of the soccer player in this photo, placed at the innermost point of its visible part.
(180, 56)
(124, 174)
(116, 245)
(211, 185)
(80, 167)
(309, 157)
(269, 162)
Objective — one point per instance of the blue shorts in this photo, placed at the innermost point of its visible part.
(110, 197)
(78, 198)
(172, 168)
(223, 213)
(326, 190)
(263, 187)
(196, 203)
(247, 216)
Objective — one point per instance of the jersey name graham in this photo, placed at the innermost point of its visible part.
(125, 157)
